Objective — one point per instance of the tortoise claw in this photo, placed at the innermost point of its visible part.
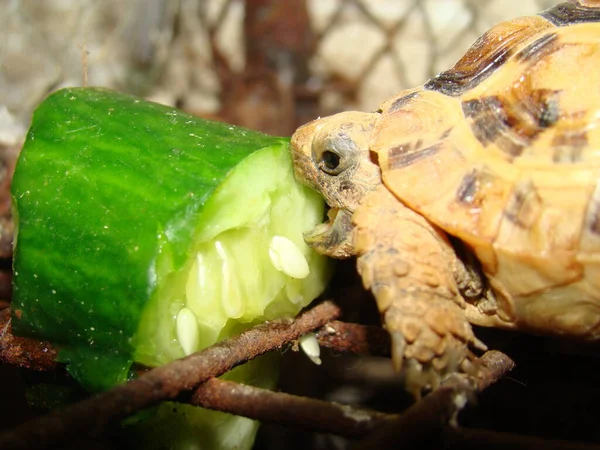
(398, 349)
(427, 360)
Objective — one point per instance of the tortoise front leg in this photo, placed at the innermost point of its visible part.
(408, 264)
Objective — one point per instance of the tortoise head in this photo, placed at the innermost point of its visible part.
(331, 155)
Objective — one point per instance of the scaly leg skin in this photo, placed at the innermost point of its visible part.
(408, 264)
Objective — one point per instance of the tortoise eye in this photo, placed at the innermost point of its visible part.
(330, 163)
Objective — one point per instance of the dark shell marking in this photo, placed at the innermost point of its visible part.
(472, 68)
(544, 107)
(592, 218)
(401, 102)
(407, 154)
(523, 205)
(471, 191)
(487, 54)
(569, 13)
(512, 126)
(568, 146)
(492, 124)
(542, 46)
(467, 190)
(485, 114)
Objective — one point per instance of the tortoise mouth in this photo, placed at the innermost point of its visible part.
(323, 228)
(334, 236)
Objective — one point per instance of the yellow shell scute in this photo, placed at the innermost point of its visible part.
(511, 165)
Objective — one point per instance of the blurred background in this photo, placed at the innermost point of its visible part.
(273, 65)
(265, 64)
(270, 65)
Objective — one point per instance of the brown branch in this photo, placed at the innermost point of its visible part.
(372, 340)
(338, 336)
(260, 404)
(496, 364)
(24, 352)
(286, 409)
(92, 415)
(355, 338)
(416, 425)
(424, 421)
(418, 422)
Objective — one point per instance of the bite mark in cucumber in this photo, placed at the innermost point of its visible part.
(145, 234)
(133, 218)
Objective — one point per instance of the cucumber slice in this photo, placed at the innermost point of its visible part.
(144, 234)
(178, 426)
(230, 275)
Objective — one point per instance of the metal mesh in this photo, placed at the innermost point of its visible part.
(273, 65)
(266, 64)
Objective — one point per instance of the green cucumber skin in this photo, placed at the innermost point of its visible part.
(98, 148)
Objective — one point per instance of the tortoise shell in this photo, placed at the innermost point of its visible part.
(503, 152)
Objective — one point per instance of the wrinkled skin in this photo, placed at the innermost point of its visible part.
(500, 152)
(331, 156)
(409, 265)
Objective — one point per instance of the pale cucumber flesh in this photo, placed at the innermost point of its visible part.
(230, 277)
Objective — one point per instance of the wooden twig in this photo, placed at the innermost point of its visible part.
(424, 421)
(418, 422)
(24, 352)
(338, 336)
(93, 415)
(286, 409)
(432, 413)
(495, 364)
(355, 338)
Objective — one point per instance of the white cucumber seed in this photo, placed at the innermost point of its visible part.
(187, 331)
(230, 299)
(293, 291)
(310, 346)
(288, 258)
(201, 271)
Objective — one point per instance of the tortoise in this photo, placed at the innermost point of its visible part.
(475, 198)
